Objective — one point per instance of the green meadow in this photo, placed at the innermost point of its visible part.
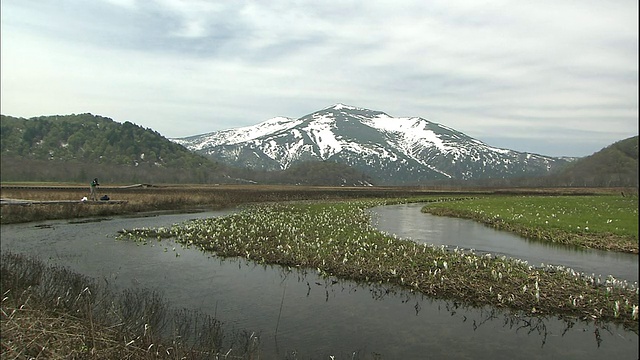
(604, 222)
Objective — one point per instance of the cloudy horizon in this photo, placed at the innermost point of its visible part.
(557, 78)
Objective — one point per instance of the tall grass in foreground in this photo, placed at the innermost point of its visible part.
(336, 239)
(53, 313)
(599, 222)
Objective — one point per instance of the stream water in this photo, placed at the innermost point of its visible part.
(407, 221)
(317, 317)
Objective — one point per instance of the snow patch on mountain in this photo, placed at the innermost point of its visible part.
(321, 130)
(340, 106)
(270, 126)
(238, 135)
(412, 130)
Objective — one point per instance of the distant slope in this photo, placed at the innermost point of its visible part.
(83, 146)
(317, 173)
(615, 165)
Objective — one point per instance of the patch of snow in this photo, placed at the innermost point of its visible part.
(498, 150)
(321, 131)
(239, 135)
(248, 133)
(340, 106)
(413, 130)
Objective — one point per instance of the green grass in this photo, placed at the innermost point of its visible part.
(599, 221)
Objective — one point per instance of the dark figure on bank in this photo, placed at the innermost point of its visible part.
(93, 195)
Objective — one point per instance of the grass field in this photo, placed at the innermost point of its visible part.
(605, 222)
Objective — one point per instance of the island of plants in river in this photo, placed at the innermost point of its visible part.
(337, 239)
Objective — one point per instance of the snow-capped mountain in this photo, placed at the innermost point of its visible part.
(391, 150)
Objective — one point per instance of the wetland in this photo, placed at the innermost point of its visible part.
(299, 278)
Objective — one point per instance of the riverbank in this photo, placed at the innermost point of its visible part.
(59, 201)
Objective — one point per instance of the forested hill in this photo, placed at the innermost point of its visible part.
(82, 146)
(615, 165)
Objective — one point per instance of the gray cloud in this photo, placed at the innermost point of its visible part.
(552, 77)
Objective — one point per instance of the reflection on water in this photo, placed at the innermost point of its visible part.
(314, 316)
(406, 221)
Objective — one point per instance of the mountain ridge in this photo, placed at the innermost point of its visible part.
(614, 165)
(393, 150)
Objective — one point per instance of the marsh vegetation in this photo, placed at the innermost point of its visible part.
(336, 239)
(146, 198)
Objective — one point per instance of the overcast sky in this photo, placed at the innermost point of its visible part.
(553, 77)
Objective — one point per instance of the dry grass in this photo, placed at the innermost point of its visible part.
(53, 313)
(37, 334)
(133, 201)
(183, 197)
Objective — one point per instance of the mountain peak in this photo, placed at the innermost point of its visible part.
(340, 106)
(342, 111)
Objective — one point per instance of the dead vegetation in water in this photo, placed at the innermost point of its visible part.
(53, 313)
